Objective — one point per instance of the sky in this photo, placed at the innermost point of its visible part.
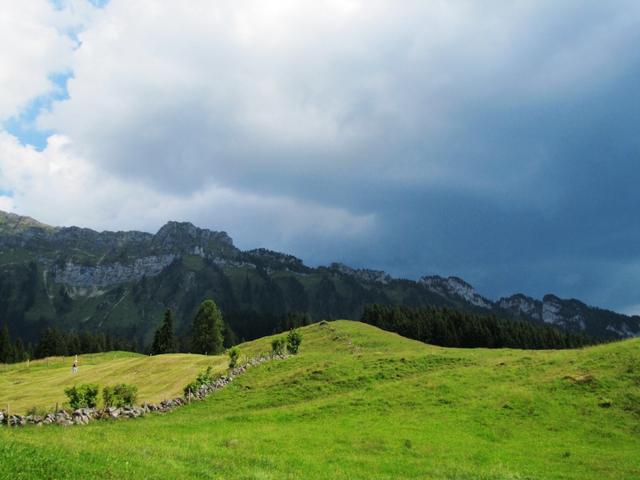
(498, 141)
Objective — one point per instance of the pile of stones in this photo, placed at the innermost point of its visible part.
(83, 416)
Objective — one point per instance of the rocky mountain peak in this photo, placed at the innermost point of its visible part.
(365, 274)
(13, 223)
(520, 305)
(186, 236)
(457, 287)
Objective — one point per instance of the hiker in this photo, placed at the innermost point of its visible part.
(74, 369)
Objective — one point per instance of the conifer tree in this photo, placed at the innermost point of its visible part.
(163, 341)
(6, 349)
(19, 353)
(207, 329)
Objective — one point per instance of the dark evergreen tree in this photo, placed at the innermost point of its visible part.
(6, 349)
(51, 343)
(163, 341)
(19, 354)
(207, 329)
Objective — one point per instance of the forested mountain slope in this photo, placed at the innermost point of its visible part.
(121, 282)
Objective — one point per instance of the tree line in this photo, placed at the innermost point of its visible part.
(207, 334)
(452, 328)
(55, 343)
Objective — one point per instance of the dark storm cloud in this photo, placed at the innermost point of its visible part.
(497, 141)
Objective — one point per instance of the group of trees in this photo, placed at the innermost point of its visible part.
(55, 343)
(452, 328)
(11, 352)
(206, 336)
(291, 343)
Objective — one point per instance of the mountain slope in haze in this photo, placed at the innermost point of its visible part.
(120, 282)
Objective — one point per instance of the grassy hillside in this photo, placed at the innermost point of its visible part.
(362, 403)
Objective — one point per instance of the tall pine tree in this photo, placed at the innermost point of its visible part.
(6, 349)
(207, 329)
(163, 341)
(19, 354)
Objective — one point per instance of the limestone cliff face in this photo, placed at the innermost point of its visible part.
(456, 287)
(364, 274)
(520, 305)
(111, 274)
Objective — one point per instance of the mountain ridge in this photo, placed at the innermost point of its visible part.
(80, 278)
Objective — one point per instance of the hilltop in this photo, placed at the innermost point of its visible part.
(359, 402)
(120, 282)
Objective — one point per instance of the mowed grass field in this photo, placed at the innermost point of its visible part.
(41, 383)
(361, 403)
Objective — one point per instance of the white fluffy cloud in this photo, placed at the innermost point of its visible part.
(33, 46)
(57, 187)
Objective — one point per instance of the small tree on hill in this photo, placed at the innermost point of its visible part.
(234, 355)
(207, 328)
(277, 346)
(163, 341)
(294, 339)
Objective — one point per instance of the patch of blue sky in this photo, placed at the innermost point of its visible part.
(60, 4)
(24, 125)
(6, 193)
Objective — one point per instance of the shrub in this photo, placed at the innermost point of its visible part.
(234, 355)
(277, 346)
(84, 396)
(121, 395)
(204, 378)
(294, 339)
(37, 411)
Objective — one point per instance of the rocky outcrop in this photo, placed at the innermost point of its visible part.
(184, 237)
(455, 287)
(364, 274)
(520, 305)
(103, 275)
(274, 261)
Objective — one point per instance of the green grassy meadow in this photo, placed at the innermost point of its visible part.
(356, 403)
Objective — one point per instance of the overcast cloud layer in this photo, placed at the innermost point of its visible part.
(497, 141)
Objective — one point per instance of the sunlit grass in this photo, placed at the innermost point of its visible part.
(358, 402)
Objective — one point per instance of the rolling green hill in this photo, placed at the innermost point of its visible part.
(358, 402)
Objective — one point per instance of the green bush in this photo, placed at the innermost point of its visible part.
(121, 395)
(37, 411)
(277, 345)
(294, 339)
(204, 378)
(234, 355)
(84, 396)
